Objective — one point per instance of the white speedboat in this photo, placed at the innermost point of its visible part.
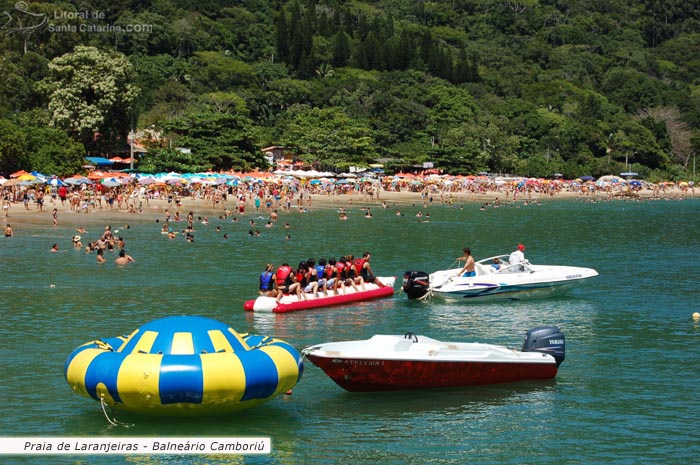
(394, 362)
(519, 281)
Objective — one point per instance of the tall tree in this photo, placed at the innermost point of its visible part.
(328, 135)
(91, 95)
(217, 134)
(341, 49)
(282, 38)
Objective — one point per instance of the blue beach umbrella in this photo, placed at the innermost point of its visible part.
(55, 182)
(42, 177)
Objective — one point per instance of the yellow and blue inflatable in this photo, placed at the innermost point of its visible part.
(183, 365)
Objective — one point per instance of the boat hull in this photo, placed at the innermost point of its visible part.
(489, 291)
(539, 282)
(395, 362)
(364, 375)
(291, 304)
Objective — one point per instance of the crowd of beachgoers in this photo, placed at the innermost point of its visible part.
(260, 201)
(267, 192)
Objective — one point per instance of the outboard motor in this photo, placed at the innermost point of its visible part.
(416, 284)
(546, 339)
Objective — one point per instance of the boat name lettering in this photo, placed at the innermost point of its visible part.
(574, 276)
(365, 362)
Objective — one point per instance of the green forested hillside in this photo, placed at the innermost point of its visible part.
(514, 86)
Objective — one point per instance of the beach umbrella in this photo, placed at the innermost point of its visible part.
(40, 176)
(146, 180)
(610, 179)
(55, 182)
(77, 180)
(111, 182)
(26, 177)
(586, 178)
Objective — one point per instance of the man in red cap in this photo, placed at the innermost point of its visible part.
(516, 258)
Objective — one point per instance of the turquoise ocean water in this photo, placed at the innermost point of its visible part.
(626, 394)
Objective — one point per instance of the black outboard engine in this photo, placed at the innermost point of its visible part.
(546, 339)
(416, 284)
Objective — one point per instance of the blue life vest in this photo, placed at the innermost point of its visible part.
(266, 281)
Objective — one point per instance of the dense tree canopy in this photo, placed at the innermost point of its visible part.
(527, 87)
(91, 95)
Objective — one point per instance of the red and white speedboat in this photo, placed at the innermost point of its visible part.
(393, 362)
(291, 303)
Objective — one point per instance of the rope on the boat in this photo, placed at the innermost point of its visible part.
(427, 295)
(112, 421)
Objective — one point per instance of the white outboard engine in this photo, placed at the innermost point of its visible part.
(416, 284)
(548, 340)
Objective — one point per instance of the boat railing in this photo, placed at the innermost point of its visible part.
(523, 266)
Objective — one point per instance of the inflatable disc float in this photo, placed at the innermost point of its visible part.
(183, 365)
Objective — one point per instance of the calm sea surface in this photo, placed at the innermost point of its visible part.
(626, 394)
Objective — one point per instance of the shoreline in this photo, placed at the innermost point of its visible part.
(155, 208)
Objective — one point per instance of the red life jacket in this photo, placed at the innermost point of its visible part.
(341, 270)
(281, 275)
(329, 271)
(359, 264)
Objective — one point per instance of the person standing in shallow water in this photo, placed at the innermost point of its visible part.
(123, 258)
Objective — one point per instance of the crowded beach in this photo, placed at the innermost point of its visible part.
(219, 193)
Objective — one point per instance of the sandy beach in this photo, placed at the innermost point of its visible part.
(153, 209)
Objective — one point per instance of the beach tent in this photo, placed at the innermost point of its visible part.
(610, 179)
